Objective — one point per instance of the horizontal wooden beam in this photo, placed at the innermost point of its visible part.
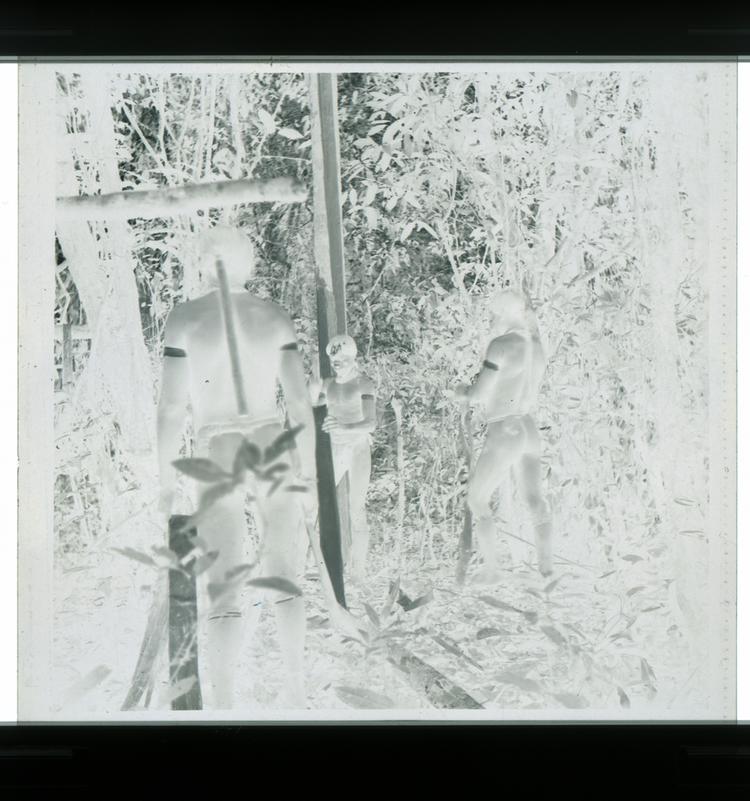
(175, 200)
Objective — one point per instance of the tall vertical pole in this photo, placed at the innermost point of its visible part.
(331, 303)
(183, 620)
(328, 228)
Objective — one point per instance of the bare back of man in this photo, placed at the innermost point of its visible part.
(198, 372)
(508, 389)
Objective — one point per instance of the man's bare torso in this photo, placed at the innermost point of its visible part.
(262, 330)
(520, 362)
(345, 403)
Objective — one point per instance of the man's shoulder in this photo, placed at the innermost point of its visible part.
(508, 341)
(510, 345)
(365, 383)
(269, 309)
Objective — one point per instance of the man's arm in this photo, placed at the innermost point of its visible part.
(297, 399)
(502, 360)
(368, 406)
(172, 408)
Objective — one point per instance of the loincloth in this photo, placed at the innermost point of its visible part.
(512, 425)
(344, 451)
(509, 418)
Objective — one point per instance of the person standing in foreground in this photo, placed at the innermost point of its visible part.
(350, 396)
(197, 372)
(508, 388)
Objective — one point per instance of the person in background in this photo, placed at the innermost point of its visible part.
(507, 387)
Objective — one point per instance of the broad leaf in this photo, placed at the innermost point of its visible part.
(554, 635)
(571, 701)
(131, 553)
(210, 496)
(202, 563)
(289, 133)
(361, 698)
(168, 554)
(517, 680)
(275, 583)
(207, 500)
(201, 469)
(391, 599)
(372, 614)
(531, 617)
(490, 631)
(84, 685)
(282, 443)
(179, 688)
(455, 650)
(199, 542)
(647, 674)
(268, 475)
(247, 457)
(408, 605)
(488, 599)
(238, 571)
(218, 588)
(267, 121)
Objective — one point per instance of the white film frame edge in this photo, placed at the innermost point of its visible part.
(8, 221)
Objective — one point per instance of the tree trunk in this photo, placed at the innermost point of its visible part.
(118, 374)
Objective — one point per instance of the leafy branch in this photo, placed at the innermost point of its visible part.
(249, 458)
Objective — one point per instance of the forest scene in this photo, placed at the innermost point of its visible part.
(587, 192)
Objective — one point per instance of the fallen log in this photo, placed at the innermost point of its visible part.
(441, 692)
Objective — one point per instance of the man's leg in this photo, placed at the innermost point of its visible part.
(342, 460)
(502, 448)
(359, 481)
(224, 531)
(281, 556)
(530, 475)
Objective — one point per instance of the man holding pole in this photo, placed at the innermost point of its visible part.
(350, 397)
(225, 354)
